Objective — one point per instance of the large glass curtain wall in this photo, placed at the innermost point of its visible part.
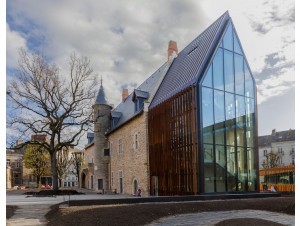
(228, 120)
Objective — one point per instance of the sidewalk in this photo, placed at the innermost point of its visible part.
(212, 218)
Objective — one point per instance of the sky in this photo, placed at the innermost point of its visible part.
(126, 42)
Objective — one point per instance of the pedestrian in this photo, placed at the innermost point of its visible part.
(273, 189)
(139, 191)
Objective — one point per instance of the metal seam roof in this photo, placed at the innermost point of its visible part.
(189, 62)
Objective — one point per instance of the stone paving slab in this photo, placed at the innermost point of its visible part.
(212, 218)
(29, 215)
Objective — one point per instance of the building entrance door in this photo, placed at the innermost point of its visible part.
(100, 184)
(154, 187)
(135, 187)
(121, 181)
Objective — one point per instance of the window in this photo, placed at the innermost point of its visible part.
(138, 104)
(136, 141)
(106, 152)
(110, 148)
(228, 71)
(120, 147)
(280, 150)
(120, 181)
(112, 179)
(228, 39)
(265, 152)
(7, 162)
(218, 70)
(208, 78)
(17, 164)
(239, 74)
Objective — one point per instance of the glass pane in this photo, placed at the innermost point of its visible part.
(208, 134)
(230, 118)
(250, 122)
(242, 169)
(209, 171)
(231, 170)
(228, 39)
(237, 47)
(240, 120)
(251, 170)
(218, 70)
(220, 133)
(207, 114)
(220, 168)
(219, 106)
(207, 106)
(219, 110)
(208, 78)
(239, 74)
(230, 106)
(249, 84)
(228, 71)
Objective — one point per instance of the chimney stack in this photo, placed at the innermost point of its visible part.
(273, 132)
(124, 94)
(172, 50)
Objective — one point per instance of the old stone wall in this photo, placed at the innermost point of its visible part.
(129, 157)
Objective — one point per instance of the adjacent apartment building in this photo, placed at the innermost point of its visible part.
(277, 158)
(190, 128)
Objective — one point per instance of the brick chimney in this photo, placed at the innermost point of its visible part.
(172, 50)
(273, 132)
(124, 94)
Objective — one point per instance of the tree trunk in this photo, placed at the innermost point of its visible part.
(54, 171)
(78, 180)
(38, 179)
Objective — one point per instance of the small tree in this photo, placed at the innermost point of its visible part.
(271, 160)
(63, 164)
(38, 160)
(77, 161)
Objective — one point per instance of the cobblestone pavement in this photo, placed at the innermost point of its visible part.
(212, 218)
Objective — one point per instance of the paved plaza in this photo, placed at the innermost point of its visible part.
(32, 211)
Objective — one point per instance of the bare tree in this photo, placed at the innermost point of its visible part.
(47, 102)
(77, 161)
(63, 163)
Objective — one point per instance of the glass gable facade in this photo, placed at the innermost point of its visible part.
(228, 120)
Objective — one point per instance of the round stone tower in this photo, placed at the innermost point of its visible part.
(101, 111)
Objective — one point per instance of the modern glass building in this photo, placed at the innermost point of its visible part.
(203, 120)
(227, 103)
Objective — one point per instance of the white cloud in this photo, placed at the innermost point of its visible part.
(127, 41)
(276, 85)
(14, 41)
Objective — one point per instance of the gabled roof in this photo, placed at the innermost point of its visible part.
(191, 61)
(126, 110)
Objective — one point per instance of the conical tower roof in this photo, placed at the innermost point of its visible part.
(101, 96)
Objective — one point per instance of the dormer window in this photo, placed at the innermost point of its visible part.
(138, 98)
(138, 104)
(115, 117)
